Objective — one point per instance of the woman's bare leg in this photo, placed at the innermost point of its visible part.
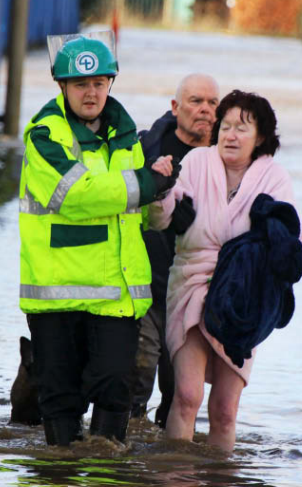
(223, 405)
(189, 369)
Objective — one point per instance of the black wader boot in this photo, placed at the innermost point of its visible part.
(109, 423)
(139, 410)
(162, 412)
(62, 431)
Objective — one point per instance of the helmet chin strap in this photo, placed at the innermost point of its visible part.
(112, 81)
(86, 121)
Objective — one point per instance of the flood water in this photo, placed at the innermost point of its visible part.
(268, 450)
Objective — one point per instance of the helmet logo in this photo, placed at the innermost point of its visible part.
(87, 62)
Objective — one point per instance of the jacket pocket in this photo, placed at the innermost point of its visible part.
(77, 235)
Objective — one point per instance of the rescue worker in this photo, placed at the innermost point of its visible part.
(85, 273)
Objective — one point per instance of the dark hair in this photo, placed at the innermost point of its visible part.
(261, 111)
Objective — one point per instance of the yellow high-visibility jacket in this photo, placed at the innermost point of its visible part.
(80, 224)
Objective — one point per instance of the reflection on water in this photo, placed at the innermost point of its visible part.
(146, 459)
(149, 459)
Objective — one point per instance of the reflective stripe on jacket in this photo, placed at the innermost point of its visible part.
(80, 225)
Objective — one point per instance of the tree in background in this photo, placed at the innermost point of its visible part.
(215, 8)
(102, 10)
(268, 16)
(93, 10)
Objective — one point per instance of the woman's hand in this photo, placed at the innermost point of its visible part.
(163, 165)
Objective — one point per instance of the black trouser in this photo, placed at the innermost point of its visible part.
(153, 353)
(81, 358)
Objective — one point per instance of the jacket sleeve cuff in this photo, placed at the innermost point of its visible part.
(147, 186)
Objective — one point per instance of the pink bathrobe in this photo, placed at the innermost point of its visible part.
(203, 178)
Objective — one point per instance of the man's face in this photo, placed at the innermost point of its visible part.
(195, 111)
(86, 96)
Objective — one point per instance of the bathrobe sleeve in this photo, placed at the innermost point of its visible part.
(161, 211)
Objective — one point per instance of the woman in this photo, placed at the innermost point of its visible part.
(223, 181)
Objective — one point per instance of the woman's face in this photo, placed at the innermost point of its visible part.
(237, 138)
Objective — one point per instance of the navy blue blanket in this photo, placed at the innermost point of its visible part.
(251, 292)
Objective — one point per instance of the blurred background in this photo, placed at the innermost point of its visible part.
(273, 17)
(212, 26)
(268, 17)
(24, 25)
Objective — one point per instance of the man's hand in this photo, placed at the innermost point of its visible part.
(165, 171)
(163, 165)
(155, 180)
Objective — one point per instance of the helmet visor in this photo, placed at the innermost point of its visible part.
(56, 42)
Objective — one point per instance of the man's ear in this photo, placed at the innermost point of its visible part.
(174, 106)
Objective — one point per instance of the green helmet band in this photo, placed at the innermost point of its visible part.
(84, 57)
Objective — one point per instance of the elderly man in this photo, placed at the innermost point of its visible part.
(188, 125)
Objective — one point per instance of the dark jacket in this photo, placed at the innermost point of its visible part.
(151, 139)
(160, 245)
(251, 292)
